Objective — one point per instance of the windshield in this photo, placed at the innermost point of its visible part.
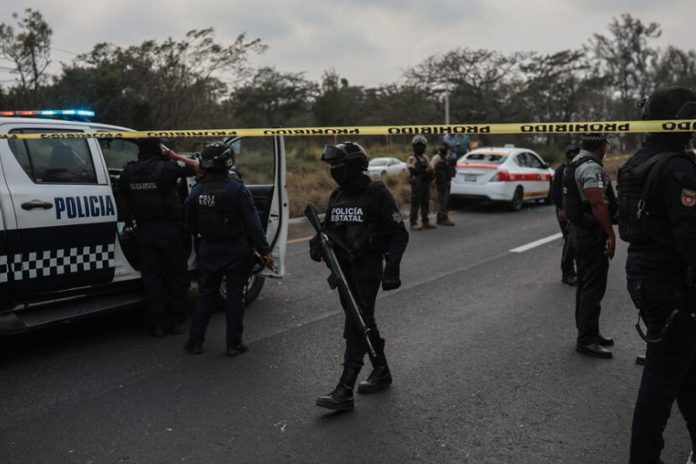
(485, 158)
(379, 162)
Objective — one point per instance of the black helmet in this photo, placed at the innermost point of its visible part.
(346, 151)
(149, 147)
(669, 103)
(217, 156)
(572, 150)
(419, 140)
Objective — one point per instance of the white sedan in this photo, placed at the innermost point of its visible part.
(509, 174)
(385, 167)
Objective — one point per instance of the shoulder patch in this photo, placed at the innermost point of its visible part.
(397, 218)
(688, 198)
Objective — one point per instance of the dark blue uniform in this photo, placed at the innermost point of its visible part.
(149, 187)
(367, 220)
(221, 211)
(568, 254)
(659, 283)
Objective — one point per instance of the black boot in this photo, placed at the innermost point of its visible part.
(380, 377)
(341, 399)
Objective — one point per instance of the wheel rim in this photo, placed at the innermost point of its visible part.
(517, 199)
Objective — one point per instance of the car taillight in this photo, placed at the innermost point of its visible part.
(501, 176)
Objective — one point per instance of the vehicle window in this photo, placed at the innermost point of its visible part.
(255, 160)
(521, 160)
(118, 153)
(485, 158)
(54, 161)
(533, 161)
(379, 162)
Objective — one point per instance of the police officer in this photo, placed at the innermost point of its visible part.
(660, 274)
(368, 230)
(421, 176)
(221, 212)
(589, 204)
(444, 169)
(569, 275)
(150, 198)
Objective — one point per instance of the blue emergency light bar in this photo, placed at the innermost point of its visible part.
(38, 113)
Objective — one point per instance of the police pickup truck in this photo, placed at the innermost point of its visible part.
(62, 251)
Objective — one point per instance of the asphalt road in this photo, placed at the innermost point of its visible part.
(480, 341)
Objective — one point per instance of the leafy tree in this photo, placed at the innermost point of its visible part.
(169, 84)
(338, 102)
(29, 48)
(626, 60)
(272, 98)
(480, 83)
(675, 67)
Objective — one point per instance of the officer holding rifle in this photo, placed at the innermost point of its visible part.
(367, 238)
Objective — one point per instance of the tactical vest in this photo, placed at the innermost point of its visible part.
(216, 216)
(577, 211)
(444, 171)
(419, 170)
(637, 223)
(350, 218)
(149, 199)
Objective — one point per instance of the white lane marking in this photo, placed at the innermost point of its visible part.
(537, 243)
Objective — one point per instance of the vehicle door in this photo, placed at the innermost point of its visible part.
(117, 153)
(261, 164)
(5, 295)
(64, 211)
(539, 176)
(523, 175)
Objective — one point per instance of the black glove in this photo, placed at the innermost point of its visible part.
(315, 251)
(391, 280)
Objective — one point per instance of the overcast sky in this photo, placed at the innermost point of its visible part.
(368, 41)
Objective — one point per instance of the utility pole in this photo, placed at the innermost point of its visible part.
(447, 108)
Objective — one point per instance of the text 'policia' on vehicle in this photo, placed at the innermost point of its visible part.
(63, 253)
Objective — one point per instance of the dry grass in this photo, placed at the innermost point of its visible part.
(305, 187)
(612, 163)
(316, 186)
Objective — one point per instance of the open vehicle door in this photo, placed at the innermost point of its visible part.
(261, 164)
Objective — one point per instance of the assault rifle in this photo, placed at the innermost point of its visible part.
(337, 277)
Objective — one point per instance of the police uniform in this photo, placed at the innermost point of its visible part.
(221, 212)
(660, 279)
(150, 192)
(420, 178)
(444, 171)
(589, 241)
(363, 220)
(569, 276)
(369, 221)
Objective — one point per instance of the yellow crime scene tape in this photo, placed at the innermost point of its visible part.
(612, 127)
